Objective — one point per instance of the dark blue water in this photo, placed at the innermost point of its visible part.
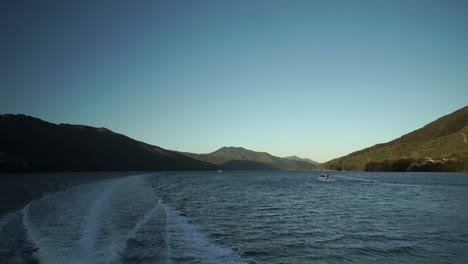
(238, 217)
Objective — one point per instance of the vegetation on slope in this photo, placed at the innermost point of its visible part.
(439, 146)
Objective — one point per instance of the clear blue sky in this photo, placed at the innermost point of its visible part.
(318, 79)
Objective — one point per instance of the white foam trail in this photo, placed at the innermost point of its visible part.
(144, 220)
(168, 255)
(13, 247)
(147, 241)
(89, 223)
(31, 232)
(189, 244)
(93, 220)
(114, 221)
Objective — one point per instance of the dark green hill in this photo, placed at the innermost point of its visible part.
(30, 144)
(439, 146)
(236, 158)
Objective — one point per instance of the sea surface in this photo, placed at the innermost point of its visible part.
(234, 217)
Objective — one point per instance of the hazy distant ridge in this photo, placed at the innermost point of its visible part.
(237, 158)
(296, 158)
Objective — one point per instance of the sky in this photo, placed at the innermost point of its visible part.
(317, 79)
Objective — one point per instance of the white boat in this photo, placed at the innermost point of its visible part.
(325, 177)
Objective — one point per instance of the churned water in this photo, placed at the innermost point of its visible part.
(238, 217)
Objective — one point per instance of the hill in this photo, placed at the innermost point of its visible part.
(30, 144)
(439, 146)
(237, 158)
(296, 158)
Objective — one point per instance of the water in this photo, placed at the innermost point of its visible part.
(236, 217)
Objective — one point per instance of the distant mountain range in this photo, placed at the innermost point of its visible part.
(28, 144)
(237, 158)
(441, 145)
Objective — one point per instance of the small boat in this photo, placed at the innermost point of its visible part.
(325, 177)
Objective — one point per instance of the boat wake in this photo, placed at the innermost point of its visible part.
(111, 221)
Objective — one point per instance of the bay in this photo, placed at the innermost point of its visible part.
(235, 217)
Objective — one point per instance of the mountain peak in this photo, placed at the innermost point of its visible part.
(239, 158)
(232, 148)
